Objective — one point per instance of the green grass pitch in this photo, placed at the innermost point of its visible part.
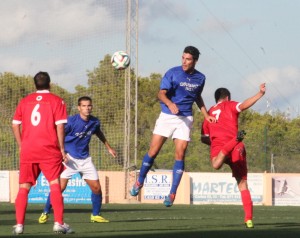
(144, 220)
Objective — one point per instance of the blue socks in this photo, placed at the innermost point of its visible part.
(146, 166)
(177, 174)
(96, 203)
(48, 205)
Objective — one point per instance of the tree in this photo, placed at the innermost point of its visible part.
(266, 134)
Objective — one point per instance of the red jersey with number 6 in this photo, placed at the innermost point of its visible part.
(226, 126)
(39, 113)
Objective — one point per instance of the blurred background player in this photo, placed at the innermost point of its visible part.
(225, 141)
(180, 87)
(79, 131)
(38, 127)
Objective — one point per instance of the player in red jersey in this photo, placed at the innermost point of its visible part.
(225, 141)
(38, 127)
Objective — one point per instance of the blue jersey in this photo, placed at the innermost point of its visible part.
(78, 133)
(182, 89)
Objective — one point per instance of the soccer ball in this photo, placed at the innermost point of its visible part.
(120, 60)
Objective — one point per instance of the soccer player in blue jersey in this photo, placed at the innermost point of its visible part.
(180, 87)
(78, 133)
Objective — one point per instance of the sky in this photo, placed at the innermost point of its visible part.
(242, 43)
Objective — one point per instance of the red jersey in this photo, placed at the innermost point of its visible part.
(226, 126)
(39, 113)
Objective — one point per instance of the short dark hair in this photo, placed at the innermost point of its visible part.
(84, 98)
(222, 93)
(193, 51)
(42, 80)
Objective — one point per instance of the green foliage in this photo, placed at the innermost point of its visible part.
(148, 110)
(11, 86)
(266, 135)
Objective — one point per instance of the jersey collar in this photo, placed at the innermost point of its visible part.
(43, 91)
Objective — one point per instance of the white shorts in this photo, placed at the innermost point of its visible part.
(85, 167)
(177, 126)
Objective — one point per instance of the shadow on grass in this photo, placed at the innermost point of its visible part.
(247, 233)
(134, 221)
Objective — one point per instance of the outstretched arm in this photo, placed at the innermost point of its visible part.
(201, 105)
(101, 136)
(252, 100)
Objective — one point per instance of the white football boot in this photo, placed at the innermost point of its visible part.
(18, 229)
(64, 229)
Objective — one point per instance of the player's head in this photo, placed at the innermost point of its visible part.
(85, 107)
(42, 80)
(192, 51)
(84, 98)
(221, 94)
(190, 57)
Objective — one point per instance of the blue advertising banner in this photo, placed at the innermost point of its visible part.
(77, 191)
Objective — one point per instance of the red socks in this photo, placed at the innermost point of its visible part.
(21, 205)
(247, 204)
(57, 202)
